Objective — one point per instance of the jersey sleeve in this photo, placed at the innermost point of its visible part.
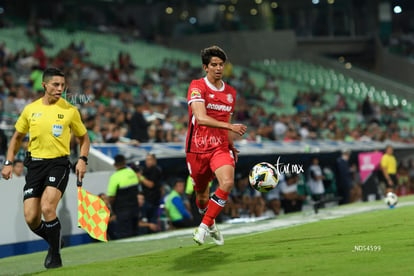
(77, 125)
(22, 123)
(195, 92)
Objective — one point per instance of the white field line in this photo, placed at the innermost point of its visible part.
(256, 225)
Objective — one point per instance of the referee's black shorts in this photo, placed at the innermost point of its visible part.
(46, 172)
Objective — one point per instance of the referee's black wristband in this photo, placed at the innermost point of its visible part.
(84, 158)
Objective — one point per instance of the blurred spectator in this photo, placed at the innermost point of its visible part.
(273, 197)
(144, 226)
(178, 213)
(280, 127)
(40, 56)
(343, 175)
(292, 201)
(299, 102)
(246, 200)
(291, 135)
(341, 103)
(36, 79)
(367, 110)
(403, 178)
(18, 168)
(21, 154)
(9, 106)
(122, 193)
(150, 182)
(21, 99)
(329, 182)
(356, 191)
(315, 182)
(138, 126)
(115, 135)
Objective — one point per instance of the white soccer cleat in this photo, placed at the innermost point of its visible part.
(216, 234)
(200, 234)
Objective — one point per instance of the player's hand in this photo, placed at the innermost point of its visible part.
(7, 172)
(239, 129)
(80, 169)
(235, 152)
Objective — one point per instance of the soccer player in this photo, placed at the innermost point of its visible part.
(49, 122)
(209, 145)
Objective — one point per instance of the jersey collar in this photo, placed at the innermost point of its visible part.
(212, 87)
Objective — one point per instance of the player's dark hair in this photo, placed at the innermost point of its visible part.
(50, 73)
(212, 51)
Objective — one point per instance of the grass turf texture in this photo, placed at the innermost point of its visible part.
(372, 243)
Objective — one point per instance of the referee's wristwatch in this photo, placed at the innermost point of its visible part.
(7, 163)
(84, 158)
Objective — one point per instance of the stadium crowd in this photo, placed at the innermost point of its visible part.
(109, 96)
(117, 106)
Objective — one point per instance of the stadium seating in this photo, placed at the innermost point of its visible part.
(318, 78)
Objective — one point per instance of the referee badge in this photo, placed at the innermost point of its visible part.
(57, 130)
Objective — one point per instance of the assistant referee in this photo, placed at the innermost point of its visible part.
(49, 121)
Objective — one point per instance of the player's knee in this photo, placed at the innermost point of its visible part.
(227, 185)
(48, 211)
(32, 219)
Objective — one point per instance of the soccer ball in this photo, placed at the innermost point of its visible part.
(263, 177)
(391, 199)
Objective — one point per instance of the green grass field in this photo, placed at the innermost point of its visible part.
(372, 242)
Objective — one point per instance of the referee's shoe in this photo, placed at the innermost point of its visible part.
(54, 260)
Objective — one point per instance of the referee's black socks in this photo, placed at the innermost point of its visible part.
(41, 231)
(53, 235)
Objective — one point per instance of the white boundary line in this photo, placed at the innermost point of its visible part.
(252, 226)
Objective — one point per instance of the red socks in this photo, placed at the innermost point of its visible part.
(215, 205)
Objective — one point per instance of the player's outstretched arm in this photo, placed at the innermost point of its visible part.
(199, 111)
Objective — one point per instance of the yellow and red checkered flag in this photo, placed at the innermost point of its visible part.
(93, 214)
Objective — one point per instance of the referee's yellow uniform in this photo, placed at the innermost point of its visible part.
(50, 127)
(389, 162)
